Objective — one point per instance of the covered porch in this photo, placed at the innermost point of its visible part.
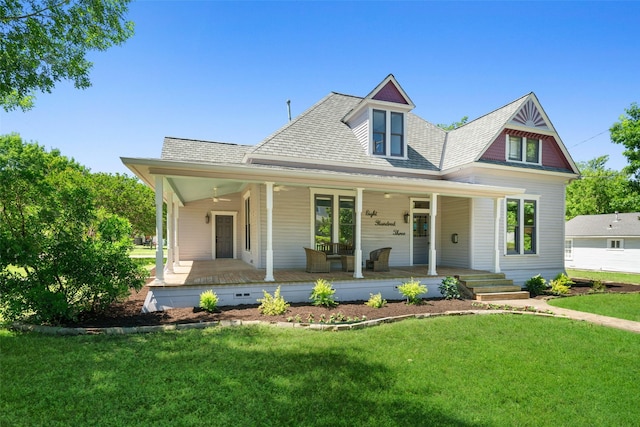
(236, 282)
(261, 219)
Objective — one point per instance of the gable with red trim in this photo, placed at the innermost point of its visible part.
(552, 155)
(390, 93)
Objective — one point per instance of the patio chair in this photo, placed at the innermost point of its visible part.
(317, 261)
(379, 260)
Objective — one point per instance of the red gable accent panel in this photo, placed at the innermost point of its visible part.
(496, 150)
(551, 154)
(390, 93)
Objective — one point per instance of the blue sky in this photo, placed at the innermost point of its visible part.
(222, 71)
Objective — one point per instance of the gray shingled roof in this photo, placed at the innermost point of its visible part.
(190, 150)
(606, 225)
(320, 134)
(465, 144)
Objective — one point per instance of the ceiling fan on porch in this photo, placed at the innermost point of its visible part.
(217, 199)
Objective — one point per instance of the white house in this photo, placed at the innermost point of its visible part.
(367, 173)
(608, 242)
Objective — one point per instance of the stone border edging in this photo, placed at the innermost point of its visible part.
(62, 331)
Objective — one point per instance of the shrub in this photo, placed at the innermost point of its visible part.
(563, 279)
(536, 285)
(557, 288)
(598, 287)
(412, 290)
(561, 284)
(322, 293)
(449, 288)
(209, 300)
(71, 257)
(376, 301)
(272, 305)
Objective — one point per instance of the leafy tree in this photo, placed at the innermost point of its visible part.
(45, 41)
(66, 256)
(454, 125)
(627, 133)
(127, 197)
(600, 190)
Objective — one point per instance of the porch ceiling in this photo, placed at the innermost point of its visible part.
(196, 181)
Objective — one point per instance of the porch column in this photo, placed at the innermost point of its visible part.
(176, 247)
(269, 275)
(169, 265)
(496, 234)
(159, 230)
(357, 253)
(432, 235)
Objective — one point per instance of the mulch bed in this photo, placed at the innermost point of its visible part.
(128, 313)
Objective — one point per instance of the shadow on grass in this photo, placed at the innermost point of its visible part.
(247, 376)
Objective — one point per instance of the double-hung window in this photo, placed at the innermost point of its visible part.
(379, 132)
(568, 249)
(339, 210)
(247, 224)
(388, 134)
(615, 244)
(397, 134)
(521, 149)
(521, 231)
(324, 219)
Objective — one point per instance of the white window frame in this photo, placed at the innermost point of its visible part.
(523, 150)
(522, 199)
(335, 194)
(247, 221)
(387, 153)
(568, 249)
(619, 246)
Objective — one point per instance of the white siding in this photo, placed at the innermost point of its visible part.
(593, 254)
(291, 227)
(195, 235)
(379, 236)
(360, 127)
(454, 212)
(168, 297)
(549, 259)
(482, 233)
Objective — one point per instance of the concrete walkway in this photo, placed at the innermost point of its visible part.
(542, 305)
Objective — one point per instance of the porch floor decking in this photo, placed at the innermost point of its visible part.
(235, 271)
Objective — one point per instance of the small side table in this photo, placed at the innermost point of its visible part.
(347, 262)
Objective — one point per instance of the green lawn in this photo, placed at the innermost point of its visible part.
(605, 276)
(145, 251)
(491, 370)
(622, 306)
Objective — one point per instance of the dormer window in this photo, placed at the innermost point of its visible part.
(521, 149)
(388, 126)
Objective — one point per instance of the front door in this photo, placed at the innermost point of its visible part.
(420, 239)
(224, 236)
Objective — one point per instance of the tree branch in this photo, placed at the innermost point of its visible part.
(34, 13)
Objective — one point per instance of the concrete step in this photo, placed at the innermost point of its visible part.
(487, 289)
(487, 282)
(497, 296)
(481, 276)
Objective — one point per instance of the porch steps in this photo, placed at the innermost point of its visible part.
(491, 287)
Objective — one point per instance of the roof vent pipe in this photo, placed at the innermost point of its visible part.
(289, 108)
